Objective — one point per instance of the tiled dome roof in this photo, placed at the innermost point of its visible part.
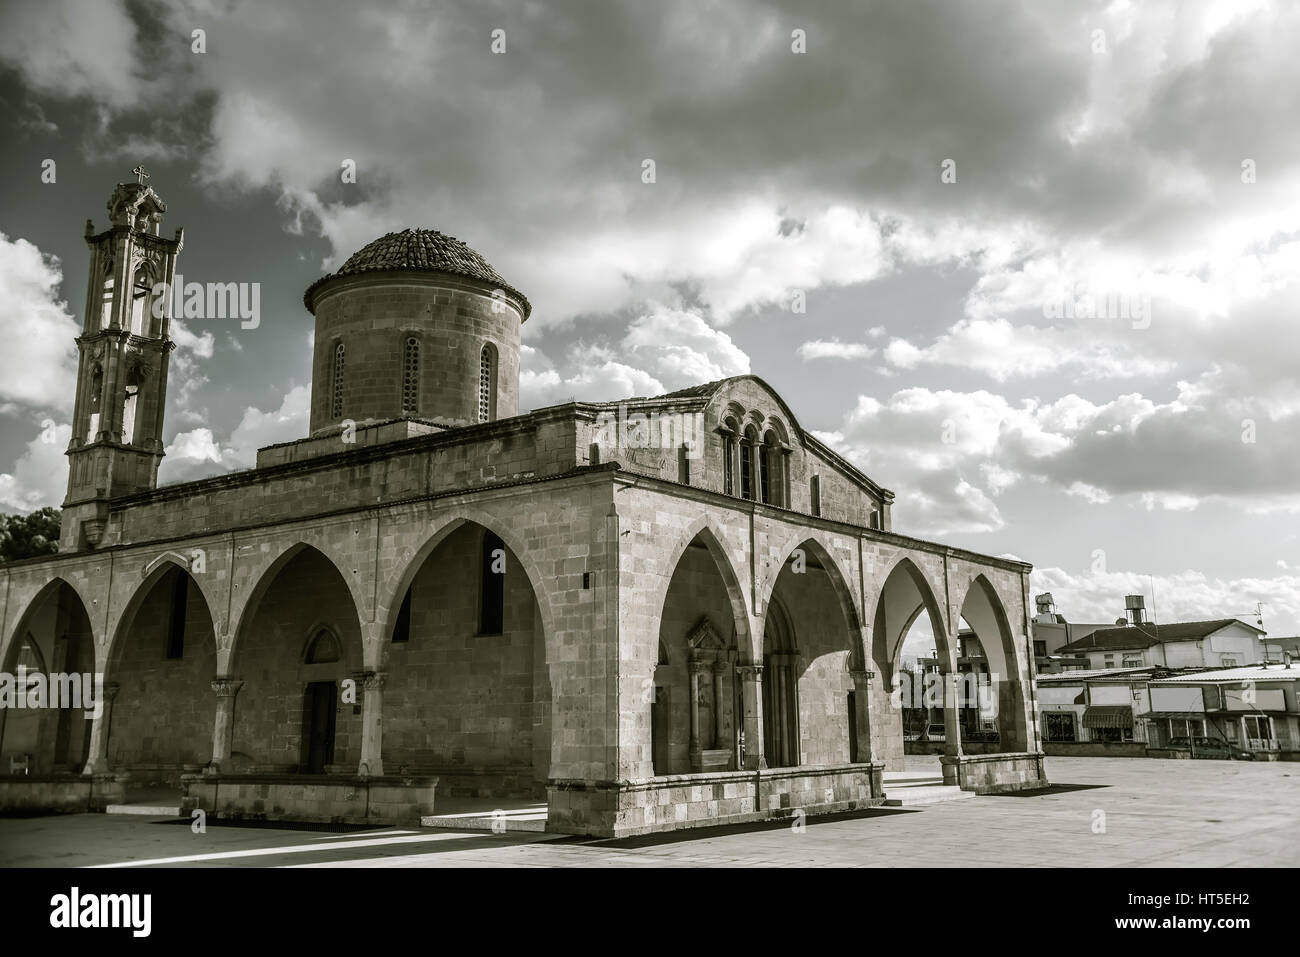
(419, 250)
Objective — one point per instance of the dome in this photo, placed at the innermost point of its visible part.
(419, 250)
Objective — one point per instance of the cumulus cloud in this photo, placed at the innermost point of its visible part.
(834, 349)
(199, 454)
(662, 349)
(74, 49)
(949, 454)
(38, 364)
(40, 476)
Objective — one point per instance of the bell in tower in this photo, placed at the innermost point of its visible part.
(124, 348)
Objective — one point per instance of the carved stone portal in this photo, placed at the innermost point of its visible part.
(709, 661)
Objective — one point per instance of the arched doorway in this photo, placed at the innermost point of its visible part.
(163, 661)
(53, 638)
(992, 715)
(299, 656)
(811, 649)
(694, 708)
(467, 693)
(909, 647)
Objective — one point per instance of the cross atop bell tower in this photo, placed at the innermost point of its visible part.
(124, 346)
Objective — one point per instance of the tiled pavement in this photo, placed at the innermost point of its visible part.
(1154, 812)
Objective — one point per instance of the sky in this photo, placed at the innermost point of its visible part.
(1034, 267)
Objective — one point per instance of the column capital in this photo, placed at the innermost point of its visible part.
(750, 672)
(226, 686)
(374, 680)
(861, 679)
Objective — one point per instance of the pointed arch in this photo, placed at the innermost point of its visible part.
(288, 718)
(1007, 665)
(57, 622)
(839, 582)
(904, 593)
(703, 529)
(390, 608)
(22, 623)
(265, 579)
(152, 573)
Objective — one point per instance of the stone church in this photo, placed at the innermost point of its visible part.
(650, 614)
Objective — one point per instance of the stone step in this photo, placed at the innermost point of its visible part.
(514, 819)
(913, 781)
(147, 810)
(919, 796)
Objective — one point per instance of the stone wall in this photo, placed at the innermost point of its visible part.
(269, 797)
(69, 793)
(993, 773)
(675, 802)
(1096, 749)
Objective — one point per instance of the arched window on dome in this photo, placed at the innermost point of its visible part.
(336, 400)
(411, 376)
(487, 383)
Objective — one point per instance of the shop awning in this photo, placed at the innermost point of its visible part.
(1108, 716)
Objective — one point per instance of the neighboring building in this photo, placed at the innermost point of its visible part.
(978, 724)
(1277, 649)
(1219, 643)
(654, 614)
(1051, 632)
(1254, 708)
(1095, 712)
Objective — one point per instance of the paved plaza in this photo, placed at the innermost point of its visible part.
(1155, 813)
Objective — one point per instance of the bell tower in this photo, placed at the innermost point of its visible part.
(124, 348)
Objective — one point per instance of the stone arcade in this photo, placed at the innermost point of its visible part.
(681, 636)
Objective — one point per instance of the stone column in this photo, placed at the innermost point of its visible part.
(952, 752)
(223, 726)
(862, 716)
(781, 702)
(751, 677)
(372, 726)
(718, 667)
(1011, 704)
(695, 709)
(97, 759)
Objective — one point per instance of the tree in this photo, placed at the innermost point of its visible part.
(25, 536)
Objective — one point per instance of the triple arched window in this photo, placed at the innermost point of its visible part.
(754, 467)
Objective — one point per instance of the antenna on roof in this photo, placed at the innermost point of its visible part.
(1155, 619)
